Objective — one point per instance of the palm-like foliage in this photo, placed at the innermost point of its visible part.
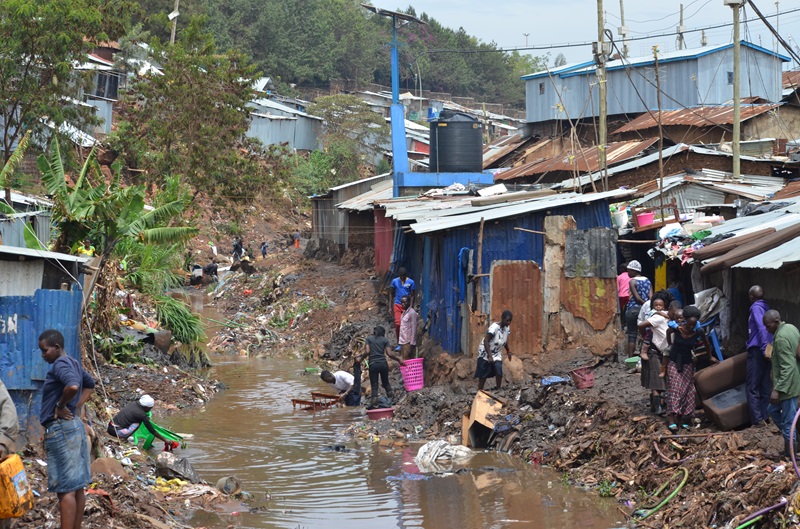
(108, 211)
(6, 172)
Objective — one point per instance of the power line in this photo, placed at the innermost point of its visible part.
(590, 43)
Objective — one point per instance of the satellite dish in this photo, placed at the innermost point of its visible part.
(172, 16)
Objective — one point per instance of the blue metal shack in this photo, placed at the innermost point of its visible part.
(431, 250)
(38, 290)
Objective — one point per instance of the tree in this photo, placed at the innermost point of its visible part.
(42, 41)
(560, 60)
(191, 120)
(106, 212)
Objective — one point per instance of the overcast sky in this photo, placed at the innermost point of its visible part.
(575, 21)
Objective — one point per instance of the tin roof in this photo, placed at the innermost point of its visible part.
(584, 160)
(364, 202)
(791, 79)
(42, 254)
(695, 117)
(471, 215)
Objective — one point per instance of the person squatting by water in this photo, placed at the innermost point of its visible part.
(132, 417)
(490, 351)
(759, 366)
(348, 386)
(377, 350)
(402, 285)
(66, 388)
(785, 374)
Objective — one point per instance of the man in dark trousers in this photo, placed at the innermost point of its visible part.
(758, 365)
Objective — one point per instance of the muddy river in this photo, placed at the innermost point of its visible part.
(279, 454)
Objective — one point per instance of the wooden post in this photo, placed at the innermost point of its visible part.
(479, 268)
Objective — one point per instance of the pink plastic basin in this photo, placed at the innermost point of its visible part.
(380, 413)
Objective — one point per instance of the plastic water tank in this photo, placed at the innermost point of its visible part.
(456, 144)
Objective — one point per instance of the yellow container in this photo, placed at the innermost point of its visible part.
(16, 496)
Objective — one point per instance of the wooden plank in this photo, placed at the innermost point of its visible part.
(511, 197)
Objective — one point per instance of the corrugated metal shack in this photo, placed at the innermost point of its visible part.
(561, 286)
(702, 76)
(12, 228)
(330, 225)
(274, 123)
(38, 290)
(775, 270)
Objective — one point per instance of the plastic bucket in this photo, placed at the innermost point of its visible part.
(16, 496)
(413, 375)
(583, 377)
(646, 218)
(620, 218)
(229, 485)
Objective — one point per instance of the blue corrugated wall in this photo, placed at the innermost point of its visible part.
(22, 367)
(439, 268)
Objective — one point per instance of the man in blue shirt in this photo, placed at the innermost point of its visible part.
(402, 285)
(758, 365)
(66, 388)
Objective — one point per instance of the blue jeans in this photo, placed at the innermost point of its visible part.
(783, 414)
(758, 384)
(68, 460)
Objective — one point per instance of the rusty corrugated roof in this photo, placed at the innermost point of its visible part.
(791, 79)
(791, 190)
(695, 117)
(585, 160)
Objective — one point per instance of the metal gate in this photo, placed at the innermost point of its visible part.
(517, 286)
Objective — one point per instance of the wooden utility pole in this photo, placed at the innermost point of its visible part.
(660, 135)
(623, 29)
(600, 58)
(737, 103)
(680, 29)
(174, 22)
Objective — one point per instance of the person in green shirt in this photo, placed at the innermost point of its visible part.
(785, 373)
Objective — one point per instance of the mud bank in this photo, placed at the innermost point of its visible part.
(604, 439)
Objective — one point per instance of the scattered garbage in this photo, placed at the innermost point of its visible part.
(169, 466)
(229, 485)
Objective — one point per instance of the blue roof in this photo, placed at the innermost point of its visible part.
(671, 56)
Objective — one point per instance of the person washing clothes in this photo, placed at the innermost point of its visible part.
(758, 365)
(348, 386)
(132, 417)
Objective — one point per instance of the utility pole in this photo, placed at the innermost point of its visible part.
(600, 56)
(623, 29)
(526, 39)
(680, 29)
(174, 17)
(736, 5)
(777, 26)
(660, 134)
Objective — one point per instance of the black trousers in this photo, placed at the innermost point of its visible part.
(382, 371)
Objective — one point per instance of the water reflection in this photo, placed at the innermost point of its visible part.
(251, 431)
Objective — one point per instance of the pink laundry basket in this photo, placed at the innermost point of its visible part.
(412, 374)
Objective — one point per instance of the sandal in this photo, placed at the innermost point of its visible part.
(673, 427)
(685, 426)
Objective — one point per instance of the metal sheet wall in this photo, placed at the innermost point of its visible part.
(12, 232)
(22, 368)
(384, 240)
(500, 242)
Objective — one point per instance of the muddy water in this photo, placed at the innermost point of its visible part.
(279, 454)
(252, 432)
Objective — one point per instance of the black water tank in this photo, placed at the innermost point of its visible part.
(456, 144)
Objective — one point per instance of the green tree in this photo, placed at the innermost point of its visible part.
(191, 120)
(106, 212)
(42, 40)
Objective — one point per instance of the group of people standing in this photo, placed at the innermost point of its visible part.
(773, 367)
(670, 333)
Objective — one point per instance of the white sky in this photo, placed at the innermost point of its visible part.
(574, 21)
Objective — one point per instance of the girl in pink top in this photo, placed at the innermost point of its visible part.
(623, 287)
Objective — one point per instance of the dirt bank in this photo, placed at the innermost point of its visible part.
(605, 439)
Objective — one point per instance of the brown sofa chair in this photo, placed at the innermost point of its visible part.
(721, 389)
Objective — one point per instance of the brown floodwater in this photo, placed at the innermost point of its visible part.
(282, 458)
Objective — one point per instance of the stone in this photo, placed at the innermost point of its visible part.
(110, 467)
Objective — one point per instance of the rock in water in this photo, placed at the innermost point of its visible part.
(169, 466)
